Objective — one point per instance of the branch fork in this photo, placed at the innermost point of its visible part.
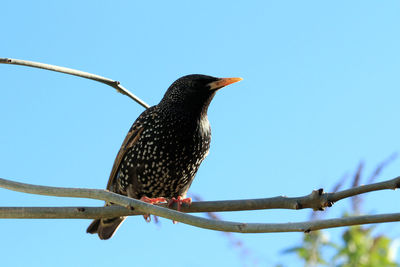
(317, 200)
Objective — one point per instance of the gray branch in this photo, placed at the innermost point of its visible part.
(115, 84)
(317, 200)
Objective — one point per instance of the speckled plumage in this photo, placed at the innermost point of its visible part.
(165, 158)
(165, 146)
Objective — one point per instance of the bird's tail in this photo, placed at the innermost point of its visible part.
(105, 227)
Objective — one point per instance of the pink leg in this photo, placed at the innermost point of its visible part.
(151, 201)
(179, 201)
(155, 200)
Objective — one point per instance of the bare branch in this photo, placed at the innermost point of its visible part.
(64, 212)
(389, 184)
(316, 200)
(101, 212)
(115, 84)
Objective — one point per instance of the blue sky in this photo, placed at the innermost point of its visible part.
(320, 93)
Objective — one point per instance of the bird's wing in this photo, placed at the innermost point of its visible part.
(130, 140)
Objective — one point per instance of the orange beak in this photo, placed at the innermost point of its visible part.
(222, 82)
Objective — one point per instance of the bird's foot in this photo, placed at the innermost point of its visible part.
(179, 201)
(153, 201)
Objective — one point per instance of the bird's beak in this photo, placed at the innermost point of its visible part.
(222, 82)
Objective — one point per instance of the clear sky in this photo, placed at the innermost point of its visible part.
(320, 93)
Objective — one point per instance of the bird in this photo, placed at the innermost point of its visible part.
(164, 148)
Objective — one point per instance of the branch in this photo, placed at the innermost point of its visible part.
(112, 83)
(105, 212)
(316, 200)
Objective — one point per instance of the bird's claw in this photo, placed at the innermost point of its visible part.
(147, 218)
(153, 201)
(179, 201)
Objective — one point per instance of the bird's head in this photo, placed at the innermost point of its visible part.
(194, 92)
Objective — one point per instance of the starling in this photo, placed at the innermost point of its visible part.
(164, 147)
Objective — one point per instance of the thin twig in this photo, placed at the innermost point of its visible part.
(115, 84)
(316, 196)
